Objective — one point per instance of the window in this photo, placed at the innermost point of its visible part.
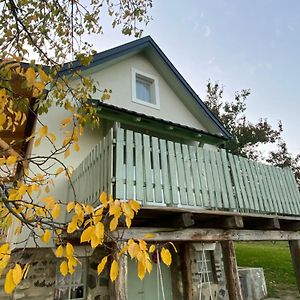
(71, 286)
(145, 89)
(204, 266)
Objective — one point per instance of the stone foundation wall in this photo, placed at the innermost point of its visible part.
(40, 281)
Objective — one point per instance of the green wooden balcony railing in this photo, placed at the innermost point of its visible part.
(158, 172)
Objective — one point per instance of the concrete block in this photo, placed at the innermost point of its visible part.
(253, 283)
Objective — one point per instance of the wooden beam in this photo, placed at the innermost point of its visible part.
(261, 223)
(207, 235)
(220, 222)
(186, 267)
(290, 225)
(231, 271)
(295, 254)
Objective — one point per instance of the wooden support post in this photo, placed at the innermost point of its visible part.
(295, 254)
(186, 266)
(121, 288)
(231, 271)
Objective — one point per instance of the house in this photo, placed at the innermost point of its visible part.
(159, 144)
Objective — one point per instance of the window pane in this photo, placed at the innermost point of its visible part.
(143, 90)
(61, 293)
(77, 292)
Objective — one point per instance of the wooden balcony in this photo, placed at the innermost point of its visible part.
(161, 173)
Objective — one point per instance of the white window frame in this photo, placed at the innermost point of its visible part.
(70, 285)
(155, 103)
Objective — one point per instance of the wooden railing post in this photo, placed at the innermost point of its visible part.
(231, 271)
(295, 255)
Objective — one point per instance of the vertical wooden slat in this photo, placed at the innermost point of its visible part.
(268, 186)
(221, 176)
(274, 188)
(244, 177)
(236, 183)
(188, 175)
(228, 181)
(165, 172)
(109, 139)
(196, 177)
(129, 164)
(261, 194)
(253, 184)
(156, 170)
(119, 163)
(139, 173)
(203, 178)
(148, 168)
(285, 203)
(173, 173)
(209, 177)
(216, 179)
(293, 188)
(181, 175)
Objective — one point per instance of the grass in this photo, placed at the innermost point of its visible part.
(274, 258)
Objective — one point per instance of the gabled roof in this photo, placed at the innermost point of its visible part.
(150, 49)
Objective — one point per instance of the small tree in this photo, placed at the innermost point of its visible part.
(53, 32)
(248, 137)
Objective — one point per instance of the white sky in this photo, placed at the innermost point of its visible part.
(241, 44)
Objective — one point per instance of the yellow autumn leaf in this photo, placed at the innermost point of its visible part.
(152, 249)
(70, 206)
(38, 89)
(65, 122)
(30, 76)
(87, 234)
(128, 222)
(72, 226)
(99, 230)
(17, 274)
(9, 284)
(113, 224)
(59, 251)
(134, 205)
(2, 119)
(64, 268)
(43, 131)
(103, 199)
(25, 270)
(141, 270)
(166, 256)
(114, 270)
(46, 236)
(52, 137)
(37, 142)
(149, 266)
(67, 153)
(55, 211)
(101, 265)
(11, 160)
(44, 77)
(58, 171)
(69, 250)
(76, 147)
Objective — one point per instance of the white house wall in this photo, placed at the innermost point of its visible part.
(59, 191)
(119, 78)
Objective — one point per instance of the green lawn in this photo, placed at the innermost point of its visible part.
(274, 258)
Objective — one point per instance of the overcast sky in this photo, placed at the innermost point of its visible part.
(241, 44)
